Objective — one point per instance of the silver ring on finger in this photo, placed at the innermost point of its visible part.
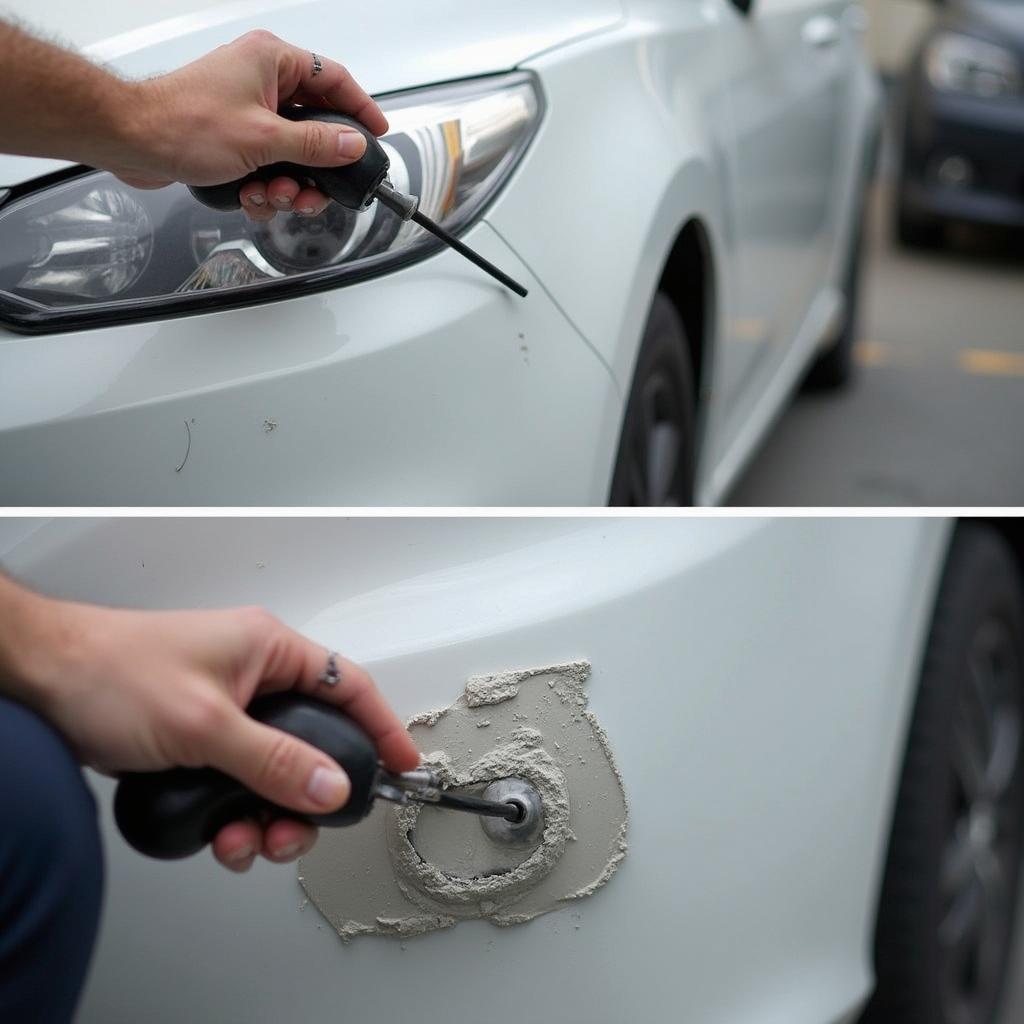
(331, 674)
(318, 65)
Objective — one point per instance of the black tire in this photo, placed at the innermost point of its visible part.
(949, 895)
(655, 461)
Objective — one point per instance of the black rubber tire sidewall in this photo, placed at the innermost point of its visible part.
(980, 578)
(664, 347)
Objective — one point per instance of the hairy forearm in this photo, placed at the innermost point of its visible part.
(58, 104)
(211, 121)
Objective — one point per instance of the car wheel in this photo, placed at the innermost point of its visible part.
(834, 367)
(945, 922)
(655, 462)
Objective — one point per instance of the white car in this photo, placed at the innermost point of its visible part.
(816, 725)
(678, 184)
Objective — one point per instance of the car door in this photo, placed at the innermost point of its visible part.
(786, 93)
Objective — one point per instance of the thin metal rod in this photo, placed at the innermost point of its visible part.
(473, 257)
(488, 808)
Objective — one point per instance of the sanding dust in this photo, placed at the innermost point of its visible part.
(426, 718)
(410, 870)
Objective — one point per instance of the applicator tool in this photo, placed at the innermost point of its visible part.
(355, 186)
(175, 813)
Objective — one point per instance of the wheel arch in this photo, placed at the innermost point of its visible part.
(688, 279)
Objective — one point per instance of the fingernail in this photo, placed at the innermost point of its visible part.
(351, 143)
(256, 199)
(282, 201)
(288, 850)
(241, 859)
(328, 787)
(307, 210)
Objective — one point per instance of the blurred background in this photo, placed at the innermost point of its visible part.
(938, 403)
(935, 413)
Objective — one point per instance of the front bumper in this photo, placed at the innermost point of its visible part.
(431, 385)
(989, 135)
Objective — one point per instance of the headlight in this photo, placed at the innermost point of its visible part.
(963, 64)
(93, 250)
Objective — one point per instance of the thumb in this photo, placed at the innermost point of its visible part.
(317, 143)
(280, 767)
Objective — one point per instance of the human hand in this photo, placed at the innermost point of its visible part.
(216, 120)
(145, 691)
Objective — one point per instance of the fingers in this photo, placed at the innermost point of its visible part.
(285, 840)
(261, 200)
(358, 696)
(296, 663)
(237, 845)
(316, 143)
(253, 197)
(277, 766)
(337, 87)
(281, 193)
(309, 202)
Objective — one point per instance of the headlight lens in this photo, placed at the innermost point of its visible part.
(94, 250)
(960, 63)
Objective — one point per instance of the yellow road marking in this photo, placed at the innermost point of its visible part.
(988, 362)
(872, 353)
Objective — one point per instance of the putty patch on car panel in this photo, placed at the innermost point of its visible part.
(409, 870)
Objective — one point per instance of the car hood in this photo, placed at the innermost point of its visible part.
(387, 46)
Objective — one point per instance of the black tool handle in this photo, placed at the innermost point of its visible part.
(173, 814)
(352, 185)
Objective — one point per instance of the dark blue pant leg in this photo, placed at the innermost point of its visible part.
(51, 871)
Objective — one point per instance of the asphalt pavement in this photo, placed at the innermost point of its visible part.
(935, 414)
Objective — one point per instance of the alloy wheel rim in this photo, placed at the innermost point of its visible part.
(978, 861)
(658, 438)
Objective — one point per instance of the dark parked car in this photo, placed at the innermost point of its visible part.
(963, 122)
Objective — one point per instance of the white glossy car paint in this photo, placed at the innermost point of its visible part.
(356, 406)
(658, 112)
(754, 677)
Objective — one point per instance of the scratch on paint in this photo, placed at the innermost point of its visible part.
(188, 446)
